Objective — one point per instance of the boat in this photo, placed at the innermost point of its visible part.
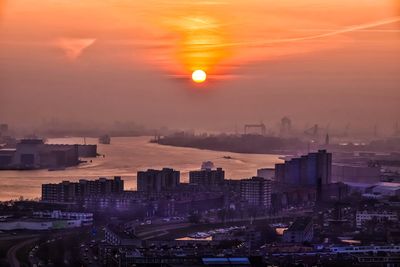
(105, 139)
(56, 169)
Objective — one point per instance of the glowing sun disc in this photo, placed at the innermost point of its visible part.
(199, 76)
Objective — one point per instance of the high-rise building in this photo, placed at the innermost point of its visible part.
(310, 169)
(155, 181)
(207, 177)
(256, 191)
(63, 192)
(66, 192)
(101, 186)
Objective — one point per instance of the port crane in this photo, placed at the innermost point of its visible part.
(260, 126)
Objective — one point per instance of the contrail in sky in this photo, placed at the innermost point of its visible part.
(312, 37)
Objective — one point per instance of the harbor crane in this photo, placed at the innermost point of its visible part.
(261, 126)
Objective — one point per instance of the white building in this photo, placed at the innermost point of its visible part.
(85, 218)
(38, 224)
(365, 216)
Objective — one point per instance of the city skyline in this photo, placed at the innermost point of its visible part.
(199, 133)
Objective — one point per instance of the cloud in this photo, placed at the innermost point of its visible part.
(74, 47)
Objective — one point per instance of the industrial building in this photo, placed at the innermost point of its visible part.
(355, 173)
(35, 154)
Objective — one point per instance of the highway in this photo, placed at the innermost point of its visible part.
(12, 252)
(158, 230)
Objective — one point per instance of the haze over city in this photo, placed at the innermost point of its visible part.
(199, 133)
(92, 62)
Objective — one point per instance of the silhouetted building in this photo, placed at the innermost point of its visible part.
(355, 173)
(310, 169)
(6, 157)
(286, 127)
(101, 186)
(155, 181)
(266, 173)
(63, 192)
(68, 192)
(207, 177)
(327, 139)
(35, 154)
(256, 191)
(3, 128)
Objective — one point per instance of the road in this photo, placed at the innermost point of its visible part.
(157, 230)
(160, 230)
(12, 252)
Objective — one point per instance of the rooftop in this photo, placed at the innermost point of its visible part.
(300, 224)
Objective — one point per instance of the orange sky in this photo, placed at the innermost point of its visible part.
(182, 36)
(233, 40)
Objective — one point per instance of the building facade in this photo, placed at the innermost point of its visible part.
(312, 169)
(207, 177)
(85, 217)
(156, 181)
(380, 216)
(69, 192)
(256, 191)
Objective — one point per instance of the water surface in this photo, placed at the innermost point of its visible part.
(124, 157)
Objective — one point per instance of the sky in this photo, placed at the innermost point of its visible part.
(330, 62)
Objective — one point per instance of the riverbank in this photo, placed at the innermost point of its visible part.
(245, 144)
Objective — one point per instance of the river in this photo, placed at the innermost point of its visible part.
(124, 157)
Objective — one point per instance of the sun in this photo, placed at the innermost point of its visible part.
(199, 76)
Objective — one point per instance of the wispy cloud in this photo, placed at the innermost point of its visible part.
(74, 47)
